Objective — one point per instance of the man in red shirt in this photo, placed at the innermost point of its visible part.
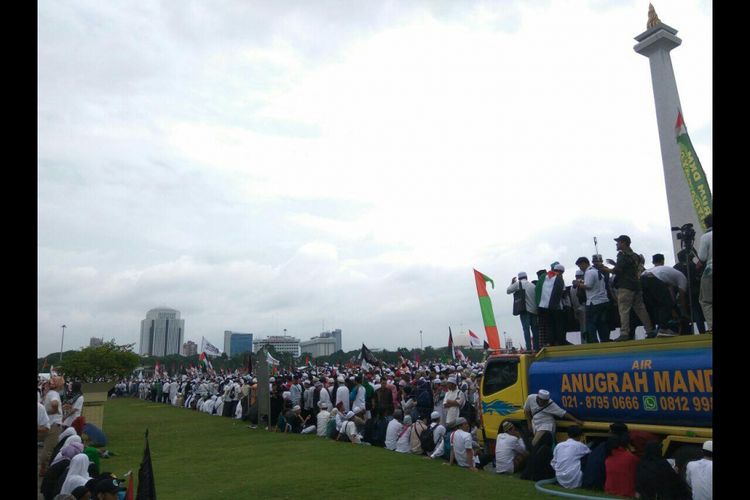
(621, 468)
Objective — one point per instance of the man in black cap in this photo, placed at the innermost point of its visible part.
(629, 294)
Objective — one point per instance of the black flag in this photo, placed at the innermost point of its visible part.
(146, 487)
(249, 363)
(368, 356)
(486, 345)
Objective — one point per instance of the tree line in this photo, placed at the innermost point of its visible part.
(111, 361)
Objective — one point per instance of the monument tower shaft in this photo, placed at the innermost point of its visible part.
(656, 43)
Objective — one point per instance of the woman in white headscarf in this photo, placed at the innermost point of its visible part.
(69, 450)
(70, 431)
(78, 473)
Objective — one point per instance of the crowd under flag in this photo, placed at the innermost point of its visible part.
(700, 192)
(474, 339)
(490, 326)
(450, 344)
(146, 485)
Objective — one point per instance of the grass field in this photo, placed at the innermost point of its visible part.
(199, 456)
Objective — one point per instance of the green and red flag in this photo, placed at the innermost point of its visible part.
(490, 327)
(700, 192)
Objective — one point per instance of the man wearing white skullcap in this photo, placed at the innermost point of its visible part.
(453, 402)
(437, 435)
(528, 316)
(540, 413)
(342, 394)
(550, 307)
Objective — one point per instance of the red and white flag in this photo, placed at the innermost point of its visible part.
(474, 339)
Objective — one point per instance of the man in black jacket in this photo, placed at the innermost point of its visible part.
(629, 293)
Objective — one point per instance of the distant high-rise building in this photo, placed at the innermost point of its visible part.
(236, 342)
(162, 332)
(281, 343)
(189, 348)
(96, 342)
(335, 334)
(319, 346)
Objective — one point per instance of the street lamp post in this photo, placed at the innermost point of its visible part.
(421, 347)
(62, 341)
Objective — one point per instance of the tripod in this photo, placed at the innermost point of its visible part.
(686, 236)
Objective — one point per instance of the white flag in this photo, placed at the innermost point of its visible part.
(270, 359)
(209, 348)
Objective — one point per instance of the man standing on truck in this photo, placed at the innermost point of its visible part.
(597, 301)
(540, 413)
(528, 315)
(706, 256)
(629, 293)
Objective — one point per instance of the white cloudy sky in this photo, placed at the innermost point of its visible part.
(261, 165)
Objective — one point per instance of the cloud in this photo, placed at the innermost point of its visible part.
(261, 166)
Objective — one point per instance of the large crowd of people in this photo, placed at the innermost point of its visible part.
(431, 409)
(434, 409)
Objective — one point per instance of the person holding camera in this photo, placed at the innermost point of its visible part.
(524, 306)
(706, 256)
(629, 293)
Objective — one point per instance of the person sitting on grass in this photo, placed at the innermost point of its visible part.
(621, 467)
(393, 430)
(510, 450)
(462, 447)
(566, 459)
(349, 429)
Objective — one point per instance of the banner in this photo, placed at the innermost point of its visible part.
(700, 192)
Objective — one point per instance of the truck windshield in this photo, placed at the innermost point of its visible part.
(499, 374)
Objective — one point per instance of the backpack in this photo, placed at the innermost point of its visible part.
(519, 300)
(468, 411)
(331, 428)
(447, 444)
(427, 439)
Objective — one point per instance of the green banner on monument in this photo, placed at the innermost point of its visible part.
(694, 174)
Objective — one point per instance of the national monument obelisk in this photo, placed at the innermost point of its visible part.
(656, 43)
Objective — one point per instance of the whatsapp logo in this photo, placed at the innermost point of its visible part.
(649, 403)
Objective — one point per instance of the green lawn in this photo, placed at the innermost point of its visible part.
(199, 456)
